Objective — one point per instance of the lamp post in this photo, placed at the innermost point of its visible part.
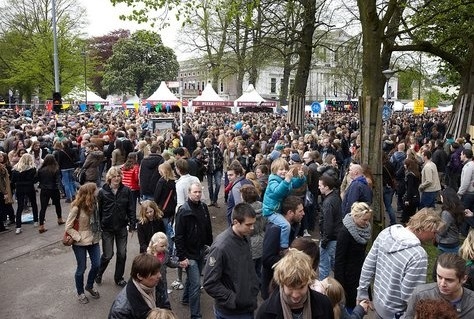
(388, 74)
(84, 55)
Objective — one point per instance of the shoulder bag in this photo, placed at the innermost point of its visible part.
(67, 239)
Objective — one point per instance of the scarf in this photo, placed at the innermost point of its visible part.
(360, 235)
(147, 293)
(287, 305)
(95, 222)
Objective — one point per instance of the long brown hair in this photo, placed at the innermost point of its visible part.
(50, 164)
(86, 198)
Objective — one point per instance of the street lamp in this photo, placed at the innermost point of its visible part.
(388, 74)
(84, 55)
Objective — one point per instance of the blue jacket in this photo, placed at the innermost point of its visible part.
(277, 189)
(358, 191)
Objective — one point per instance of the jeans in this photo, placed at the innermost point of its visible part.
(20, 196)
(45, 195)
(68, 182)
(285, 228)
(192, 287)
(387, 201)
(428, 199)
(239, 316)
(108, 237)
(81, 259)
(326, 259)
(214, 181)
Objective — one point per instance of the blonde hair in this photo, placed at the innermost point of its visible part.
(142, 219)
(359, 209)
(251, 176)
(25, 163)
(335, 292)
(279, 163)
(158, 237)
(161, 313)
(166, 171)
(467, 248)
(113, 171)
(426, 219)
(294, 270)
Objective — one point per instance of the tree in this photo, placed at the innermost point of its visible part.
(139, 63)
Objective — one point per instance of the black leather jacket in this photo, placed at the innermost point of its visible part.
(49, 180)
(116, 210)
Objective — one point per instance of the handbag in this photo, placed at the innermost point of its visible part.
(167, 200)
(80, 175)
(67, 239)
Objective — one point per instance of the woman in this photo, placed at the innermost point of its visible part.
(49, 178)
(165, 196)
(24, 178)
(6, 186)
(467, 253)
(149, 222)
(14, 155)
(131, 173)
(37, 152)
(293, 299)
(86, 239)
(350, 249)
(411, 198)
(138, 297)
(452, 215)
(118, 154)
(330, 168)
(66, 158)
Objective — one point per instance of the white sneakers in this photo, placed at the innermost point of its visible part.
(17, 231)
(36, 224)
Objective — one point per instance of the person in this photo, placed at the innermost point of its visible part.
(280, 183)
(150, 221)
(116, 213)
(158, 247)
(183, 182)
(67, 157)
(467, 253)
(330, 224)
(398, 160)
(165, 196)
(313, 179)
(236, 175)
(94, 158)
(389, 186)
(397, 262)
(86, 239)
(466, 188)
(119, 154)
(351, 246)
(189, 140)
(138, 297)
(229, 274)
(214, 162)
(358, 190)
(411, 198)
(49, 179)
(193, 232)
(131, 174)
(293, 298)
(452, 214)
(430, 184)
(6, 186)
(335, 292)
(24, 179)
(149, 173)
(310, 248)
(293, 211)
(450, 277)
(160, 313)
(434, 309)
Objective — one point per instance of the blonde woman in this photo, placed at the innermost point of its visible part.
(24, 179)
(165, 193)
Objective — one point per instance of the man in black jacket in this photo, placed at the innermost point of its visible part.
(192, 234)
(149, 174)
(116, 212)
(229, 274)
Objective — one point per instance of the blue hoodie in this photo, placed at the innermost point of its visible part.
(277, 190)
(358, 191)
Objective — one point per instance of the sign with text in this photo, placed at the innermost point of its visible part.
(418, 106)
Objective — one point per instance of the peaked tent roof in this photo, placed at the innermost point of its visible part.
(208, 94)
(77, 94)
(162, 94)
(251, 98)
(210, 100)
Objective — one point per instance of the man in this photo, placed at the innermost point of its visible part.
(117, 212)
(149, 174)
(293, 211)
(189, 140)
(192, 234)
(229, 275)
(358, 190)
(398, 160)
(450, 277)
(466, 189)
(440, 158)
(329, 226)
(181, 152)
(312, 180)
(397, 263)
(430, 184)
(94, 158)
(184, 181)
(214, 161)
(237, 179)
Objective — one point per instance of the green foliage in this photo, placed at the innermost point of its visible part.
(405, 82)
(433, 98)
(139, 64)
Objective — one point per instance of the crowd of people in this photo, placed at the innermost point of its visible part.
(297, 202)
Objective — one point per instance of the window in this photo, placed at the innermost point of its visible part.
(273, 85)
(281, 84)
(199, 85)
(222, 85)
(185, 85)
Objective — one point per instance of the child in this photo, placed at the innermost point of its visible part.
(149, 222)
(161, 314)
(280, 184)
(158, 247)
(335, 292)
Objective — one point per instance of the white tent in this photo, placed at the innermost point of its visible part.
(162, 95)
(397, 106)
(209, 100)
(77, 95)
(131, 102)
(251, 99)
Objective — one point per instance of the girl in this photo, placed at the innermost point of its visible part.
(335, 293)
(49, 178)
(131, 173)
(158, 247)
(280, 184)
(24, 178)
(150, 221)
